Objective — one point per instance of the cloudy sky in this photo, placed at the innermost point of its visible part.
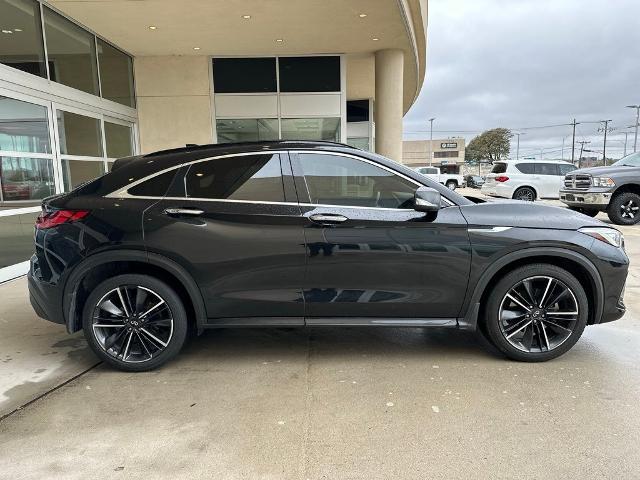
(531, 63)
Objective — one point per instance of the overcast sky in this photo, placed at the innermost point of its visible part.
(529, 63)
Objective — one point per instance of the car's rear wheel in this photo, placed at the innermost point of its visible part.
(451, 185)
(624, 209)
(536, 313)
(590, 212)
(134, 322)
(526, 194)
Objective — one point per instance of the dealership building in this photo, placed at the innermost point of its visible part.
(447, 153)
(85, 82)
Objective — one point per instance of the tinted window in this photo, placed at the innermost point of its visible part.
(525, 168)
(309, 74)
(499, 168)
(546, 168)
(564, 169)
(337, 180)
(249, 177)
(71, 52)
(22, 48)
(116, 74)
(244, 75)
(154, 187)
(118, 139)
(79, 135)
(358, 111)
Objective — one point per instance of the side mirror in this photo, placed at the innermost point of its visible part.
(427, 199)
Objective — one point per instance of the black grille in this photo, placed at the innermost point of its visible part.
(580, 182)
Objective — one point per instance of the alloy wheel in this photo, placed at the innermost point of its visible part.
(538, 314)
(132, 323)
(629, 209)
(525, 195)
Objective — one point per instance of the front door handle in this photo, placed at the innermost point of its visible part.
(327, 218)
(176, 212)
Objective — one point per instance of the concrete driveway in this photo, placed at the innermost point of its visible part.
(321, 403)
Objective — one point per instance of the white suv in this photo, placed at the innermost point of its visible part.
(526, 179)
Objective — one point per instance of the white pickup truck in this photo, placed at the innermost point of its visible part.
(451, 180)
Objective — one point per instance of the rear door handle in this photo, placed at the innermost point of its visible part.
(176, 212)
(327, 218)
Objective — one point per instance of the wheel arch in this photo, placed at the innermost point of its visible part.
(93, 269)
(627, 188)
(577, 264)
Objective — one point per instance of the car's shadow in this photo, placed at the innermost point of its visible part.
(265, 344)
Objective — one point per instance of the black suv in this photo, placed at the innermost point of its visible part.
(288, 234)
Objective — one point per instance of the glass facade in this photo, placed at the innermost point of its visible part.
(119, 140)
(311, 129)
(246, 130)
(309, 74)
(79, 135)
(72, 53)
(244, 75)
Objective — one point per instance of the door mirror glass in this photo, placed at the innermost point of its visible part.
(427, 200)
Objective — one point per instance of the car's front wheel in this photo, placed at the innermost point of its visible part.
(536, 313)
(624, 209)
(134, 322)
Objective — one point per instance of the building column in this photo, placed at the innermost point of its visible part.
(388, 106)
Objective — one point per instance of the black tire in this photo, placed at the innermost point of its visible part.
(545, 330)
(161, 333)
(526, 194)
(451, 185)
(585, 211)
(624, 209)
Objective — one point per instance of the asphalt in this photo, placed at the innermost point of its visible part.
(322, 403)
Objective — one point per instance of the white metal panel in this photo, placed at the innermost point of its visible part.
(310, 105)
(246, 106)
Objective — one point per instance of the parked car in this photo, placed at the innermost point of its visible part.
(614, 189)
(474, 181)
(276, 234)
(449, 180)
(526, 180)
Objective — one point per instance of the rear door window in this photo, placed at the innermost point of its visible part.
(526, 168)
(242, 177)
(499, 167)
(546, 168)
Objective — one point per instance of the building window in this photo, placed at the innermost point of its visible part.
(24, 127)
(25, 178)
(358, 111)
(119, 140)
(71, 52)
(79, 135)
(22, 48)
(76, 172)
(311, 129)
(309, 74)
(246, 130)
(359, 142)
(244, 75)
(453, 154)
(116, 74)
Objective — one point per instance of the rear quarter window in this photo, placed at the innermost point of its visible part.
(154, 187)
(499, 167)
(527, 168)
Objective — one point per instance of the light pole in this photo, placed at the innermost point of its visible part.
(635, 136)
(431, 141)
(518, 144)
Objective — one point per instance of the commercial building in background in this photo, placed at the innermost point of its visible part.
(447, 154)
(83, 83)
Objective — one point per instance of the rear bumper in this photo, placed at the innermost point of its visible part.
(45, 299)
(586, 199)
(497, 190)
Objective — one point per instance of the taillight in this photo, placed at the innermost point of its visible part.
(502, 178)
(58, 217)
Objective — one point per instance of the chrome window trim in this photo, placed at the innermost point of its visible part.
(123, 193)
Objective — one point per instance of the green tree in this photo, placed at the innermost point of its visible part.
(490, 146)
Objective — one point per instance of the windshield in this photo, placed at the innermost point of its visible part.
(632, 160)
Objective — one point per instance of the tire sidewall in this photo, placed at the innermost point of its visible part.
(491, 323)
(180, 321)
(519, 190)
(614, 208)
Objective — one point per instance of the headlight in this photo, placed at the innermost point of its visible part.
(603, 182)
(604, 234)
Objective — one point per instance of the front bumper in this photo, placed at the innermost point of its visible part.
(586, 199)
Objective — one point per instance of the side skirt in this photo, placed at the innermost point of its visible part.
(330, 322)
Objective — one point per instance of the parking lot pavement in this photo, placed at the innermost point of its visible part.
(336, 403)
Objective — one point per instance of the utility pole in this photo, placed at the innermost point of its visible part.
(604, 148)
(625, 143)
(518, 144)
(431, 142)
(573, 141)
(635, 136)
(582, 144)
